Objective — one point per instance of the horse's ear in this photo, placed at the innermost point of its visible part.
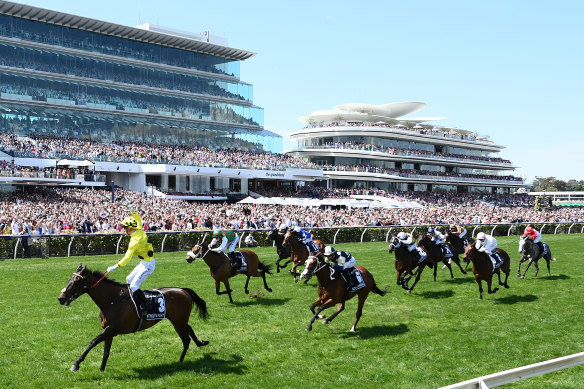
(80, 267)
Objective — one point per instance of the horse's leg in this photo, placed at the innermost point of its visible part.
(193, 336)
(447, 264)
(536, 267)
(362, 298)
(107, 345)
(418, 274)
(480, 282)
(228, 289)
(324, 306)
(246, 284)
(519, 268)
(340, 308)
(527, 267)
(266, 287)
(106, 333)
(456, 260)
(490, 281)
(548, 261)
(436, 270)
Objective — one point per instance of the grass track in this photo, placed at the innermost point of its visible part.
(440, 334)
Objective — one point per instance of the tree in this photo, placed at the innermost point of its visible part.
(549, 184)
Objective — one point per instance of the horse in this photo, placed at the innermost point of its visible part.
(222, 271)
(482, 267)
(298, 251)
(436, 255)
(405, 263)
(119, 316)
(531, 252)
(332, 289)
(458, 244)
(282, 250)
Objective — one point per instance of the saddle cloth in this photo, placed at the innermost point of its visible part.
(239, 258)
(155, 305)
(446, 251)
(497, 260)
(358, 282)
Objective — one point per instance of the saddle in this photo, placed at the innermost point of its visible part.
(355, 281)
(237, 260)
(497, 260)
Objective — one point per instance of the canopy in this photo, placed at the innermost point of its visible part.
(72, 162)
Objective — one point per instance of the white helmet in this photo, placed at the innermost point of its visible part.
(283, 227)
(402, 236)
(297, 229)
(481, 236)
(431, 230)
(328, 251)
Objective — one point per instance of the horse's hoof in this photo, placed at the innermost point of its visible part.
(74, 368)
(506, 286)
(409, 292)
(522, 277)
(247, 292)
(269, 289)
(295, 281)
(309, 328)
(202, 343)
(277, 270)
(325, 322)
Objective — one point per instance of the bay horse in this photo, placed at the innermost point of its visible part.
(531, 252)
(332, 289)
(405, 263)
(482, 267)
(283, 250)
(222, 271)
(119, 316)
(298, 251)
(458, 244)
(435, 255)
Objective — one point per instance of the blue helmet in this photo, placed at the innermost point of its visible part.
(431, 230)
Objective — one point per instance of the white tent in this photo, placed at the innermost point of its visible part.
(247, 200)
(71, 162)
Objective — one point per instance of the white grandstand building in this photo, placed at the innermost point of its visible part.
(377, 146)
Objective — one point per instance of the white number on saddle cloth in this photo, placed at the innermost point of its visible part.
(358, 276)
(161, 306)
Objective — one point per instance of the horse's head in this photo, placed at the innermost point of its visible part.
(271, 235)
(194, 253)
(77, 285)
(470, 249)
(394, 244)
(310, 267)
(288, 235)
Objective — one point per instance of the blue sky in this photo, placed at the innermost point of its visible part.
(511, 70)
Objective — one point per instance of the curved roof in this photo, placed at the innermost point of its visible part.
(106, 28)
(360, 112)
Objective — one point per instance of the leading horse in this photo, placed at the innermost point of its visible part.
(222, 271)
(298, 251)
(531, 253)
(482, 267)
(283, 250)
(119, 316)
(332, 289)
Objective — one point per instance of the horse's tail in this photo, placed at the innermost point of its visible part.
(265, 268)
(201, 304)
(380, 292)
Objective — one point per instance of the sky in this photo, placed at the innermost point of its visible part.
(508, 70)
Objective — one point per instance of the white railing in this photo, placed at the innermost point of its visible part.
(519, 373)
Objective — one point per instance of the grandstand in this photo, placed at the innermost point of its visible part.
(364, 146)
(71, 78)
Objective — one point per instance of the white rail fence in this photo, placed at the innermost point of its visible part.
(519, 373)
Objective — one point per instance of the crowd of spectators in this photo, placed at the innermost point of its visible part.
(36, 146)
(68, 210)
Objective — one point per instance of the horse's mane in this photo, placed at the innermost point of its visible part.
(98, 274)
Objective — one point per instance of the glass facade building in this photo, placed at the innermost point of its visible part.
(66, 75)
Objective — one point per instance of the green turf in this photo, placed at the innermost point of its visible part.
(440, 334)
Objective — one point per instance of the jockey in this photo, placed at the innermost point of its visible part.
(140, 246)
(283, 228)
(535, 236)
(457, 230)
(487, 244)
(439, 238)
(229, 240)
(407, 239)
(342, 262)
(306, 238)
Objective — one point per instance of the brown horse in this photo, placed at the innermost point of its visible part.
(222, 271)
(435, 255)
(119, 316)
(531, 253)
(283, 250)
(298, 251)
(332, 289)
(405, 263)
(482, 267)
(458, 244)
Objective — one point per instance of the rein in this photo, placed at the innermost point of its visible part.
(98, 281)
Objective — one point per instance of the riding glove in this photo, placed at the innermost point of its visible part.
(112, 268)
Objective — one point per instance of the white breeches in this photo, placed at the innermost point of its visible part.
(140, 273)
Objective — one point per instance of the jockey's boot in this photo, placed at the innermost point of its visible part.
(542, 248)
(140, 299)
(348, 279)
